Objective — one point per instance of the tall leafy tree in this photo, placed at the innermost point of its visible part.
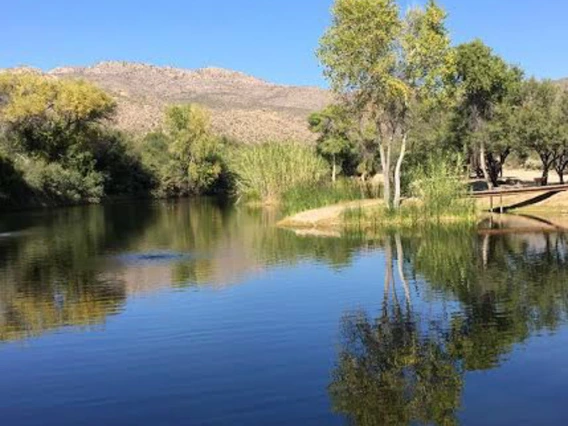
(561, 163)
(334, 126)
(386, 66)
(195, 151)
(539, 125)
(48, 116)
(483, 81)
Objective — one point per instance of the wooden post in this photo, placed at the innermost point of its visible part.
(491, 203)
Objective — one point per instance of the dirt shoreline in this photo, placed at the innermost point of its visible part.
(326, 217)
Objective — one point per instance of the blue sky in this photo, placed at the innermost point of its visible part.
(271, 39)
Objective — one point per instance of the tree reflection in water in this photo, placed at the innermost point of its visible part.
(406, 366)
(392, 370)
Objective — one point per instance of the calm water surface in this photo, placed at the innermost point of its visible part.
(202, 314)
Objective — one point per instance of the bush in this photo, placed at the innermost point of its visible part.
(121, 166)
(13, 188)
(56, 183)
(266, 172)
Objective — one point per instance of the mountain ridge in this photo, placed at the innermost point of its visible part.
(243, 107)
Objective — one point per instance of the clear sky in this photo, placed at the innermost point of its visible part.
(271, 39)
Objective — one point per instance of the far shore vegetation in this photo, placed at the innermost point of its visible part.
(416, 119)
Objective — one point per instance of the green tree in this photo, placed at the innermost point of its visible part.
(48, 116)
(482, 82)
(334, 143)
(501, 137)
(194, 151)
(562, 160)
(539, 124)
(386, 66)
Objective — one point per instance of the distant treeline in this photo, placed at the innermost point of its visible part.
(58, 147)
(406, 99)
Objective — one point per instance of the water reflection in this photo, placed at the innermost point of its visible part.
(451, 301)
(396, 368)
(479, 294)
(74, 267)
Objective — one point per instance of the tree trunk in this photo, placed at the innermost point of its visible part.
(334, 170)
(560, 173)
(560, 165)
(494, 168)
(397, 172)
(483, 165)
(545, 176)
(546, 164)
(385, 163)
(485, 250)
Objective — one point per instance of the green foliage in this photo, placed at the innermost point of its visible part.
(122, 167)
(390, 69)
(53, 183)
(439, 185)
(358, 50)
(438, 195)
(482, 78)
(47, 116)
(61, 153)
(334, 126)
(315, 195)
(486, 88)
(540, 123)
(13, 189)
(266, 172)
(187, 158)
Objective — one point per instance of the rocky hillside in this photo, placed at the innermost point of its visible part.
(243, 107)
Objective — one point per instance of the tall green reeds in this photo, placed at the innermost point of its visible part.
(265, 172)
(312, 196)
(439, 184)
(437, 194)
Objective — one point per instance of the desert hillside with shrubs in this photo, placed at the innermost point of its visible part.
(243, 108)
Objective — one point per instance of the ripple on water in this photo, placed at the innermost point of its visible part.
(153, 257)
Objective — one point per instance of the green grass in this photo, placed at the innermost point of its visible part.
(266, 172)
(410, 216)
(438, 195)
(312, 196)
(439, 186)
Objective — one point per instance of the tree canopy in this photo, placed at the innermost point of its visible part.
(386, 65)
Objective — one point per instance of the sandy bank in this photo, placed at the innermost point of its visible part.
(328, 216)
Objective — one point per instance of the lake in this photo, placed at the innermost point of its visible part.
(200, 313)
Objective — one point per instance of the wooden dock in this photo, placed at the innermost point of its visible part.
(500, 193)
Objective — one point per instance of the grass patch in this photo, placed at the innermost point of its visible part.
(409, 216)
(438, 195)
(439, 185)
(265, 172)
(313, 196)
